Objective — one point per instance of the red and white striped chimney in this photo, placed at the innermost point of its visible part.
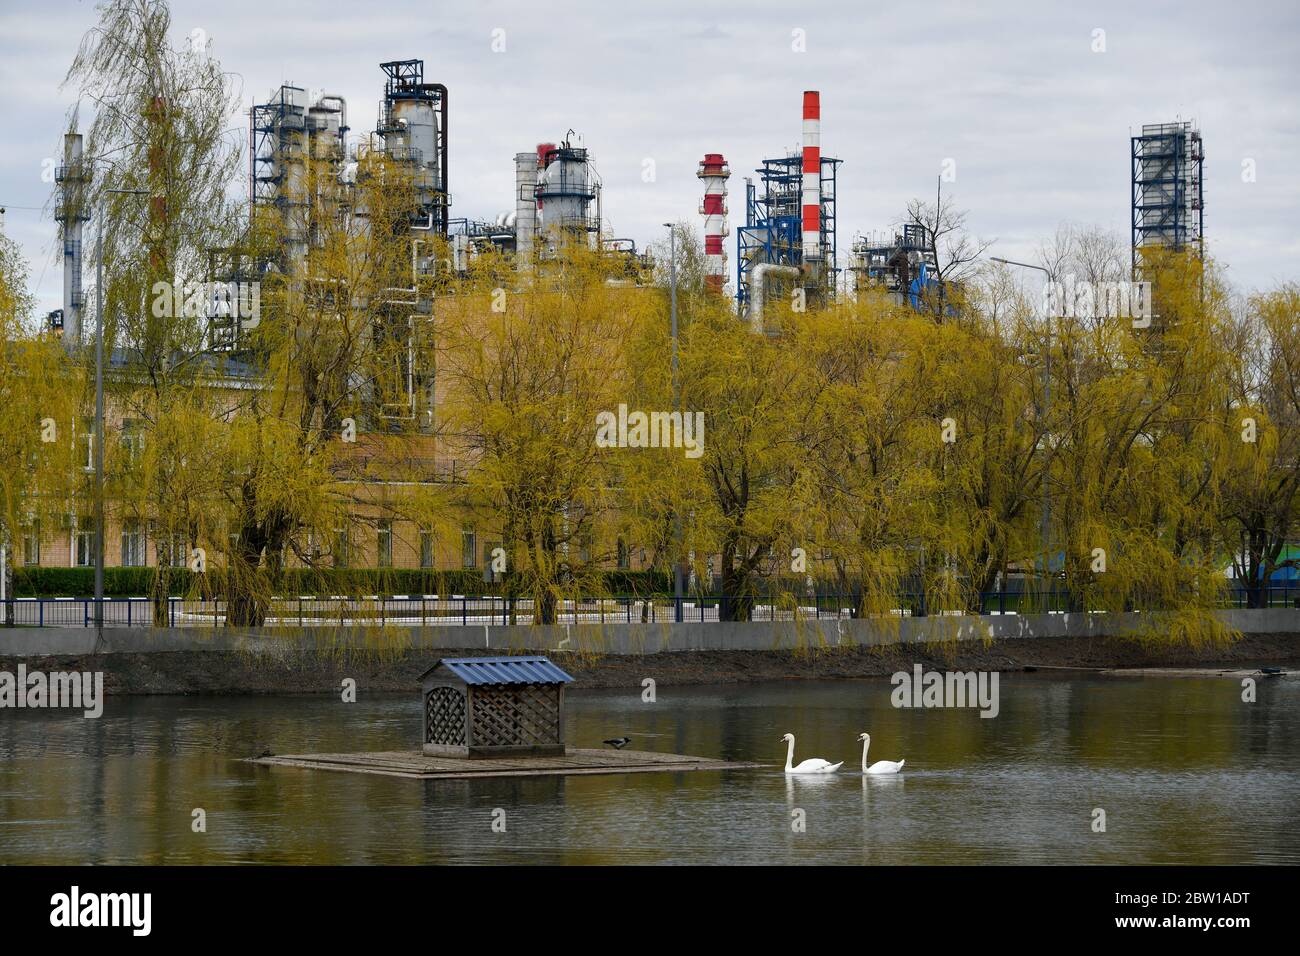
(812, 174)
(714, 174)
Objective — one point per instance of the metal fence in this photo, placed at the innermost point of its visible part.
(463, 610)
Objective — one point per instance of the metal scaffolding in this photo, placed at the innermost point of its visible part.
(773, 230)
(1167, 201)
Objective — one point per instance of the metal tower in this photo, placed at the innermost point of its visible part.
(1167, 201)
(790, 214)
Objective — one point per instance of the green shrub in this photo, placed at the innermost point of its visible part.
(137, 582)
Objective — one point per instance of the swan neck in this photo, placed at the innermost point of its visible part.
(789, 754)
(865, 744)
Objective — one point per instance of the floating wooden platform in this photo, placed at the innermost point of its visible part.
(413, 763)
(1234, 673)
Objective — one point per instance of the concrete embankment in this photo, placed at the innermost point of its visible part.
(314, 660)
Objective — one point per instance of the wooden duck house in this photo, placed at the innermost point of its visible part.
(493, 706)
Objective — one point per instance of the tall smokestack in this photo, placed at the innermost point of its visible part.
(714, 174)
(71, 214)
(812, 173)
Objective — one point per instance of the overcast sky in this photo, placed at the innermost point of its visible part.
(1036, 122)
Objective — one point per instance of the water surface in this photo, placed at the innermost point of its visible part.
(1186, 772)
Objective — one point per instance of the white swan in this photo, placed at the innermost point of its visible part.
(880, 766)
(811, 765)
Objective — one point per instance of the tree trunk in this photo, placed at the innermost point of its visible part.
(987, 569)
(737, 595)
(159, 594)
(246, 604)
(7, 563)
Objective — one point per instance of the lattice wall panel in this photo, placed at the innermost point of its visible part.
(516, 716)
(444, 717)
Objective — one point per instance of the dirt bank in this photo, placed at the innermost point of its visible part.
(209, 672)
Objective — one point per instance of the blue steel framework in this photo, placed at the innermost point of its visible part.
(773, 230)
(903, 265)
(1168, 206)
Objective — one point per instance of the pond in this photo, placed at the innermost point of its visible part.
(1185, 771)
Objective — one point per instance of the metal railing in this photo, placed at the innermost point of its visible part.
(463, 610)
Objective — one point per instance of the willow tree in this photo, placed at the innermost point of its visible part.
(1261, 495)
(163, 149)
(988, 455)
(1137, 432)
(859, 511)
(164, 125)
(529, 362)
(334, 324)
(39, 427)
(754, 393)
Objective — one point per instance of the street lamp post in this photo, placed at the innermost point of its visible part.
(678, 582)
(1045, 523)
(99, 416)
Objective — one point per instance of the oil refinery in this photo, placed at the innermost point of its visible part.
(786, 243)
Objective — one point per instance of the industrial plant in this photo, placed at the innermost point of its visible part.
(786, 244)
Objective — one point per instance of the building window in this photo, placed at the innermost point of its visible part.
(340, 550)
(88, 440)
(83, 542)
(426, 548)
(624, 556)
(132, 543)
(384, 545)
(132, 440)
(32, 543)
(171, 550)
(468, 548)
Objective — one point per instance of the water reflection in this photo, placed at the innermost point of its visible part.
(1185, 770)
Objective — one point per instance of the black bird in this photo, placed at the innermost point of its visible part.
(618, 743)
(1271, 671)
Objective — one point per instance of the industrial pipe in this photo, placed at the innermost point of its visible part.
(758, 290)
(343, 111)
(445, 159)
